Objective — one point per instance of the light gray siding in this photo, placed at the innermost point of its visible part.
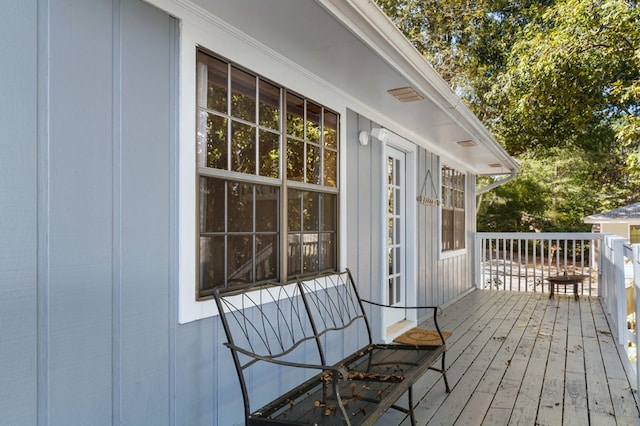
(439, 280)
(18, 212)
(85, 179)
(88, 222)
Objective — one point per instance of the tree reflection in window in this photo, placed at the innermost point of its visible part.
(241, 136)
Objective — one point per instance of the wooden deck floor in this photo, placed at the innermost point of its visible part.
(525, 359)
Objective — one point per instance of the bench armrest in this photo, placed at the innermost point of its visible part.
(436, 310)
(273, 360)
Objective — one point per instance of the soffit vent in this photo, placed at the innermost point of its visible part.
(467, 143)
(406, 94)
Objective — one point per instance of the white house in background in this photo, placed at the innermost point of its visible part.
(155, 150)
(623, 221)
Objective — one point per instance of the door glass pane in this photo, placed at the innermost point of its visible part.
(391, 291)
(390, 263)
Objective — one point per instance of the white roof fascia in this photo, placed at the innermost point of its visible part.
(365, 19)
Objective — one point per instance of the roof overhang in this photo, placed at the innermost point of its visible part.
(357, 51)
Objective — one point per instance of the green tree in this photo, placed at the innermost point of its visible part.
(557, 82)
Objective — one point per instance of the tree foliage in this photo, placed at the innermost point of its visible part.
(557, 82)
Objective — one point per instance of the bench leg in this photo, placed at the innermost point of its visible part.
(413, 417)
(444, 373)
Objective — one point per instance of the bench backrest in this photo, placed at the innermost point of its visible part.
(287, 322)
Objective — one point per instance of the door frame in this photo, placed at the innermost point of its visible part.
(390, 331)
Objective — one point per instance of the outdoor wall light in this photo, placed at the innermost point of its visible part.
(363, 138)
(381, 134)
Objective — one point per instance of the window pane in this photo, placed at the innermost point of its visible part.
(212, 83)
(330, 168)
(314, 113)
(212, 251)
(211, 205)
(267, 202)
(458, 228)
(295, 116)
(314, 170)
(310, 253)
(634, 234)
(330, 129)
(243, 148)
(213, 129)
(240, 207)
(266, 257)
(294, 251)
(269, 105)
(311, 211)
(243, 95)
(329, 209)
(295, 160)
(328, 252)
(269, 162)
(240, 259)
(447, 229)
(294, 210)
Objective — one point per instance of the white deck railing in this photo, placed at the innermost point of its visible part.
(620, 284)
(523, 261)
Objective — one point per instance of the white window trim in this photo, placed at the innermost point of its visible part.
(199, 27)
(448, 254)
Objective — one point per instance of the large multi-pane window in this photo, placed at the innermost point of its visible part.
(453, 216)
(268, 179)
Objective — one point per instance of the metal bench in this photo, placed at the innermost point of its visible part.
(284, 338)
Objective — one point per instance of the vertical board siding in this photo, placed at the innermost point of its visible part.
(18, 217)
(438, 280)
(143, 218)
(80, 208)
(85, 286)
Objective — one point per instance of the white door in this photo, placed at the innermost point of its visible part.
(395, 285)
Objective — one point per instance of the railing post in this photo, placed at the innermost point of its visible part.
(618, 287)
(635, 249)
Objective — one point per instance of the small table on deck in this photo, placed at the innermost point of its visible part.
(565, 280)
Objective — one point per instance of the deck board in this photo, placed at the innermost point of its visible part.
(522, 358)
